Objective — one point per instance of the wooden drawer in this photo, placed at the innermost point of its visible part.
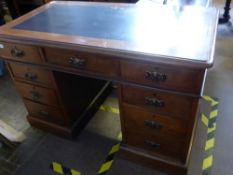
(150, 123)
(44, 112)
(38, 94)
(31, 73)
(173, 78)
(156, 145)
(20, 52)
(83, 61)
(159, 102)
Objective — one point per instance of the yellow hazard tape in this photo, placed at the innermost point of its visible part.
(109, 109)
(214, 113)
(115, 148)
(74, 172)
(210, 122)
(207, 163)
(109, 159)
(105, 167)
(209, 144)
(204, 120)
(58, 168)
(119, 136)
(212, 129)
(210, 99)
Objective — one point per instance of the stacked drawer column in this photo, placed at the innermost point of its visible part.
(36, 86)
(158, 114)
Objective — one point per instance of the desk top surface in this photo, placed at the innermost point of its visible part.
(163, 32)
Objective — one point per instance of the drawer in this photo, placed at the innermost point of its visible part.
(44, 112)
(97, 63)
(159, 102)
(31, 73)
(150, 123)
(172, 78)
(156, 145)
(38, 94)
(20, 52)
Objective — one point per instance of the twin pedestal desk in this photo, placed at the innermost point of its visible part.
(63, 56)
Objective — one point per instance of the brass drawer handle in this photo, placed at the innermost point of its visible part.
(44, 113)
(35, 95)
(152, 144)
(16, 52)
(30, 76)
(155, 76)
(154, 102)
(153, 124)
(77, 62)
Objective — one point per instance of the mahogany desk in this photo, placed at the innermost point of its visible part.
(62, 55)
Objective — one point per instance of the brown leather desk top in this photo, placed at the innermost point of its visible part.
(154, 33)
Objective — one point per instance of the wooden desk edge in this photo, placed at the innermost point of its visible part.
(130, 55)
(116, 47)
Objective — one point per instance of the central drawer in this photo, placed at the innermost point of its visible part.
(37, 94)
(95, 63)
(158, 102)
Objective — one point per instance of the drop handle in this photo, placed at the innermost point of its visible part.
(77, 62)
(44, 113)
(154, 102)
(155, 76)
(152, 144)
(35, 95)
(15, 52)
(30, 76)
(153, 124)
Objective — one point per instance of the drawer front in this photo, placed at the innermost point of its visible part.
(38, 94)
(150, 123)
(44, 112)
(178, 79)
(159, 102)
(32, 74)
(155, 145)
(20, 52)
(83, 61)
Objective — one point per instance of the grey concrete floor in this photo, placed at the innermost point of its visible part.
(219, 83)
(12, 110)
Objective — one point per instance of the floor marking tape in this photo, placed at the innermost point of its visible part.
(60, 169)
(119, 136)
(105, 167)
(212, 129)
(210, 122)
(207, 162)
(109, 159)
(209, 144)
(212, 100)
(109, 108)
(214, 113)
(204, 120)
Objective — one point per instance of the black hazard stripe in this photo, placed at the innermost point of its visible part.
(109, 159)
(210, 122)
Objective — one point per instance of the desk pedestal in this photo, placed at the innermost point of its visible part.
(62, 88)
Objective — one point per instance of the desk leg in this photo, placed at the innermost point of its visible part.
(226, 15)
